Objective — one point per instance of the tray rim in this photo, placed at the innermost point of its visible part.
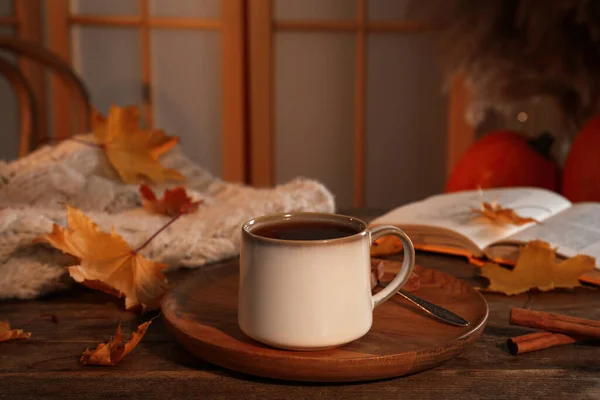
(276, 354)
(287, 354)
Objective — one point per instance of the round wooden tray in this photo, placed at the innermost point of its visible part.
(202, 314)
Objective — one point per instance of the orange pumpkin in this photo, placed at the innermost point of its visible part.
(505, 159)
(581, 173)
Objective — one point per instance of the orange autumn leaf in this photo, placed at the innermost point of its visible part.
(109, 354)
(132, 151)
(107, 262)
(591, 278)
(496, 213)
(10, 334)
(537, 268)
(386, 246)
(174, 201)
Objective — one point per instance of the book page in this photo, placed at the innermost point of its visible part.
(573, 231)
(453, 211)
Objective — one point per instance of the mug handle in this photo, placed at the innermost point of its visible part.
(407, 264)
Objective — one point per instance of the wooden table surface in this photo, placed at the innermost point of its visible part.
(160, 368)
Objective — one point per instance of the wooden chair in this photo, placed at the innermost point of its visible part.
(28, 108)
(25, 100)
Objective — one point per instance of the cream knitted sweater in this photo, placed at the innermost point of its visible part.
(34, 190)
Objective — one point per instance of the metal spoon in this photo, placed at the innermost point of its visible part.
(434, 310)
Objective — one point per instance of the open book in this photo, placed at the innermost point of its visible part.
(446, 224)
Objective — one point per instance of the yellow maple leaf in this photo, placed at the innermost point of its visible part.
(495, 212)
(107, 262)
(10, 334)
(537, 268)
(133, 152)
(111, 353)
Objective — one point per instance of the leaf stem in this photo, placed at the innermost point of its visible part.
(147, 242)
(165, 226)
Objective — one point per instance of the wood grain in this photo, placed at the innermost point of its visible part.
(233, 91)
(59, 42)
(160, 368)
(202, 314)
(9, 21)
(153, 22)
(260, 50)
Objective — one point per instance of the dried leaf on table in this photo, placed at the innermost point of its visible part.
(109, 354)
(132, 151)
(378, 270)
(174, 201)
(537, 268)
(386, 246)
(10, 334)
(496, 213)
(591, 278)
(107, 262)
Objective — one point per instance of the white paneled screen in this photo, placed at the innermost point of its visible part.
(314, 108)
(108, 61)
(187, 92)
(180, 62)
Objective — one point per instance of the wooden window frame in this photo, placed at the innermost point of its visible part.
(231, 26)
(262, 27)
(247, 76)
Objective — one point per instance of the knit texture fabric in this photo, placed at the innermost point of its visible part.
(35, 189)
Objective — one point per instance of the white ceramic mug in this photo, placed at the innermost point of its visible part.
(312, 294)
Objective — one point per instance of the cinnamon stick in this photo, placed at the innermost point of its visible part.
(537, 341)
(571, 326)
